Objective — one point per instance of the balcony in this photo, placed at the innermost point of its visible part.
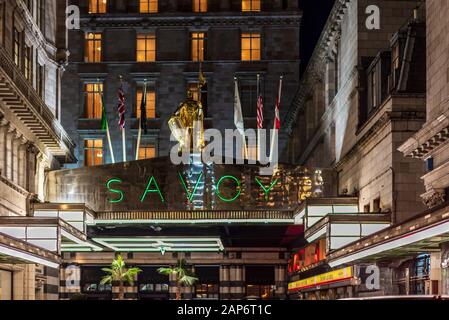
(19, 96)
(338, 220)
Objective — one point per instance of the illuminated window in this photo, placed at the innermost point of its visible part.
(147, 150)
(17, 47)
(148, 6)
(250, 5)
(199, 5)
(151, 103)
(251, 46)
(98, 6)
(28, 62)
(146, 48)
(198, 46)
(93, 47)
(93, 152)
(93, 105)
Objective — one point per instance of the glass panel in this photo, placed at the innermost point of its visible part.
(319, 210)
(346, 209)
(15, 232)
(47, 214)
(368, 229)
(42, 232)
(339, 242)
(72, 215)
(50, 245)
(345, 229)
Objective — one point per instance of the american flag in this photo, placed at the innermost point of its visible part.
(260, 112)
(121, 107)
(277, 119)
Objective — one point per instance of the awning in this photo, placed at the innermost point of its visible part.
(422, 234)
(15, 251)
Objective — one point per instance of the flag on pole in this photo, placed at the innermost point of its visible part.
(259, 106)
(238, 117)
(104, 118)
(238, 114)
(143, 111)
(121, 107)
(277, 121)
(277, 117)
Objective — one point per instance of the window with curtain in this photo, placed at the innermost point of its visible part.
(151, 103)
(93, 47)
(147, 150)
(198, 44)
(251, 49)
(146, 47)
(98, 6)
(199, 5)
(250, 5)
(93, 108)
(17, 47)
(148, 6)
(93, 152)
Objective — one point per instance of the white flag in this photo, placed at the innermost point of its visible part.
(238, 114)
(238, 118)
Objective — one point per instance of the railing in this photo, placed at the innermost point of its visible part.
(36, 104)
(197, 215)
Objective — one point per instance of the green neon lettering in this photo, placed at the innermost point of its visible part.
(150, 190)
(190, 195)
(119, 192)
(238, 188)
(265, 190)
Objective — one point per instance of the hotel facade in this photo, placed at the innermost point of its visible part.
(345, 215)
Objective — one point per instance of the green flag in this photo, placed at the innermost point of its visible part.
(104, 119)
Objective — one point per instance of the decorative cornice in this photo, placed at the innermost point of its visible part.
(434, 197)
(138, 21)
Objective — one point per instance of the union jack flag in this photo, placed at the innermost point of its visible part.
(277, 117)
(260, 112)
(121, 107)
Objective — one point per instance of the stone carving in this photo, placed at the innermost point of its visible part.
(433, 197)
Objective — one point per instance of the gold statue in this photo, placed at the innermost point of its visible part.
(187, 124)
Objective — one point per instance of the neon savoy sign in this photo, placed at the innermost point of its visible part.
(152, 187)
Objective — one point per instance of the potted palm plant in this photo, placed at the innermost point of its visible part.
(119, 273)
(183, 276)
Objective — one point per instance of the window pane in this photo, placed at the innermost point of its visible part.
(148, 6)
(93, 152)
(151, 103)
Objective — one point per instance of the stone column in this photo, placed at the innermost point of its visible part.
(435, 273)
(31, 153)
(23, 163)
(9, 152)
(15, 157)
(3, 133)
(280, 281)
(224, 283)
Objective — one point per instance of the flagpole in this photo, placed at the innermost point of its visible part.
(276, 130)
(139, 135)
(258, 155)
(123, 130)
(108, 134)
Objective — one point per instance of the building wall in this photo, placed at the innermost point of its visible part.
(329, 132)
(173, 70)
(24, 157)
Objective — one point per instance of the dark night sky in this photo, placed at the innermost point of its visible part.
(315, 14)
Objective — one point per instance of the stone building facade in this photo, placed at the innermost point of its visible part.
(162, 44)
(32, 140)
(362, 96)
(430, 144)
